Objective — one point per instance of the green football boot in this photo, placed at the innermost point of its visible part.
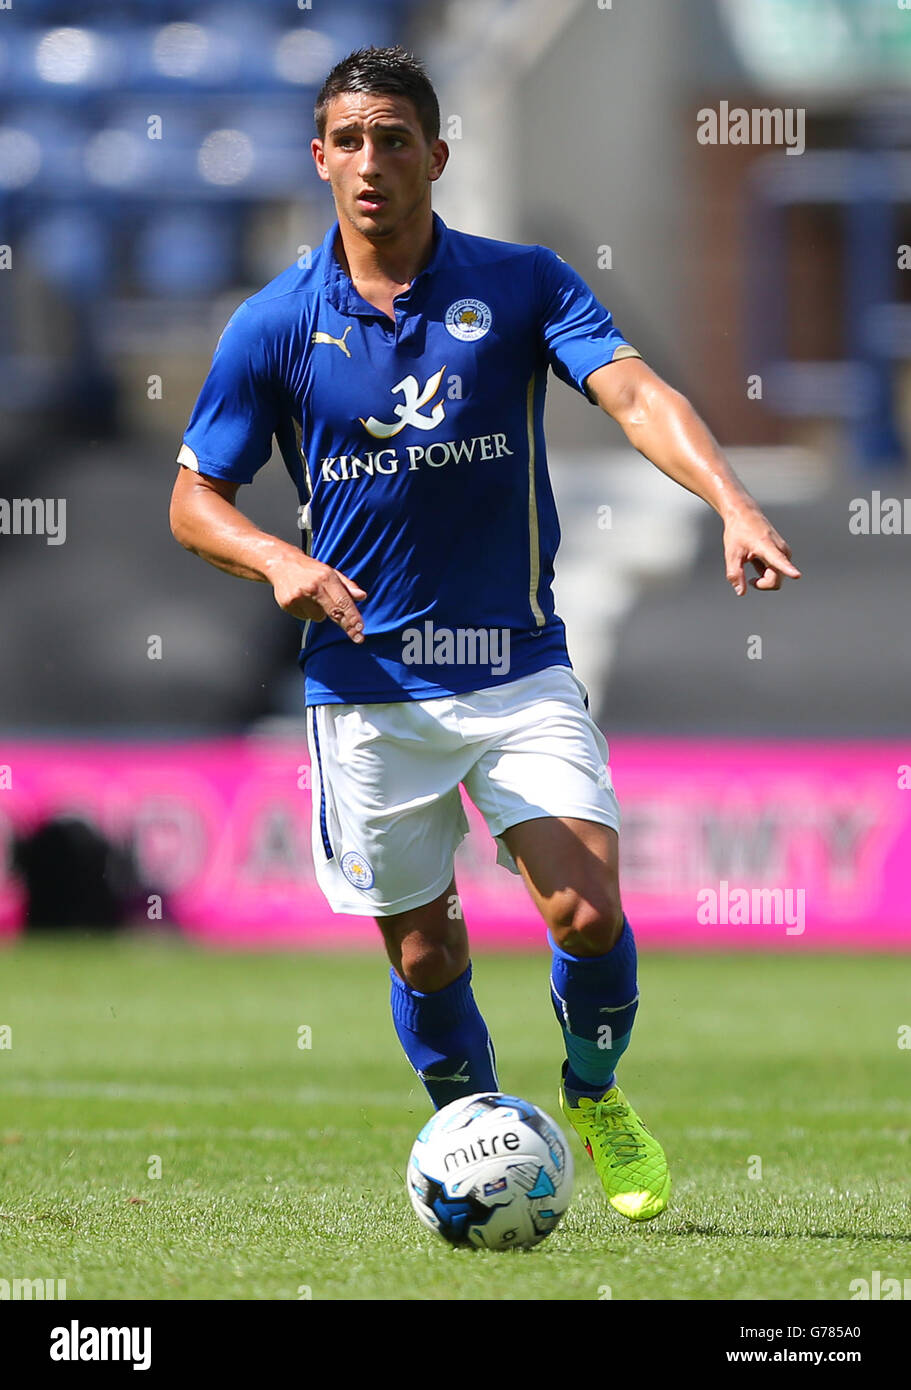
(628, 1159)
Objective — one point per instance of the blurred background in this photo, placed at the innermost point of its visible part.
(155, 170)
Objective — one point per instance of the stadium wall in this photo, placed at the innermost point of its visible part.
(767, 846)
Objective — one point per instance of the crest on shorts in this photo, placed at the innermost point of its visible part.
(357, 870)
(468, 320)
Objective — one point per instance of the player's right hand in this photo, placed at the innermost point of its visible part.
(307, 588)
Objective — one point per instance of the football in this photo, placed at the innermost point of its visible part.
(490, 1171)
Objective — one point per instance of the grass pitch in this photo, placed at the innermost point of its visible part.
(281, 1166)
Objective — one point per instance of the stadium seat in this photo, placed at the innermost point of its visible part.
(233, 87)
(184, 251)
(71, 248)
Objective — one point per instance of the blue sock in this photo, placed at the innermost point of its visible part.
(595, 999)
(445, 1039)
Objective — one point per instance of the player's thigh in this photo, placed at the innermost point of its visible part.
(571, 869)
(428, 946)
(544, 788)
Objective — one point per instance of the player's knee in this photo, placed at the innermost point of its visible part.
(588, 924)
(431, 964)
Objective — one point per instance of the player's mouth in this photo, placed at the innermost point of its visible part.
(371, 200)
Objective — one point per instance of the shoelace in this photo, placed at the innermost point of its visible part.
(624, 1144)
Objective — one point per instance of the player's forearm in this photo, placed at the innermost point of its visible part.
(663, 426)
(214, 529)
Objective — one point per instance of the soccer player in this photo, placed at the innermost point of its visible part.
(402, 374)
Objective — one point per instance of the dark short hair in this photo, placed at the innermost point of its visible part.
(390, 71)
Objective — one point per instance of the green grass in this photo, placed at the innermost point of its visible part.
(282, 1167)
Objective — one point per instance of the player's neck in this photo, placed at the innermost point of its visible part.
(395, 260)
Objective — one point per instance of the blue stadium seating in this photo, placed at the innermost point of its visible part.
(72, 249)
(185, 251)
(233, 85)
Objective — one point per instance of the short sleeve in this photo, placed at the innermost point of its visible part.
(230, 431)
(577, 333)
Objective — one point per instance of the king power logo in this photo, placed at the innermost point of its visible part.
(410, 412)
(346, 468)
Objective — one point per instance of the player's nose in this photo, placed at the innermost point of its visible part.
(368, 162)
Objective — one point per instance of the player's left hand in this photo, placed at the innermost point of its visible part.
(750, 539)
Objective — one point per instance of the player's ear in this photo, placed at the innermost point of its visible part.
(439, 158)
(319, 158)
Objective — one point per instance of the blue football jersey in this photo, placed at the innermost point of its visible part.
(417, 450)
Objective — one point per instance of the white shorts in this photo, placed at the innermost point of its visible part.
(387, 812)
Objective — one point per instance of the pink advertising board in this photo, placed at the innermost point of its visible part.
(765, 846)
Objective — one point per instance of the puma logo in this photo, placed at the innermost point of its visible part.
(461, 1075)
(328, 339)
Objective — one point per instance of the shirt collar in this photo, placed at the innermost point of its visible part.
(337, 284)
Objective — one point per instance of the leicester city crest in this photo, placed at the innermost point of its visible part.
(357, 870)
(468, 320)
